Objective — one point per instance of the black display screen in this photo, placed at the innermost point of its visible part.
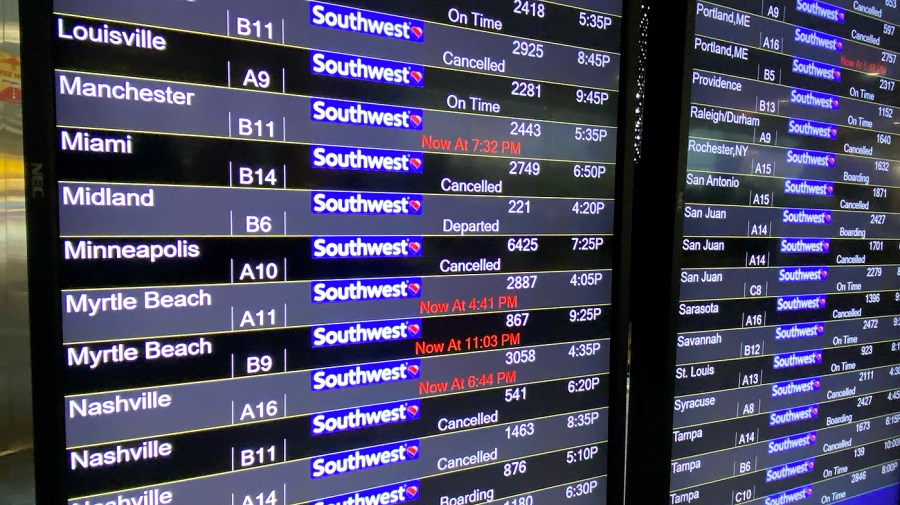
(327, 253)
(786, 378)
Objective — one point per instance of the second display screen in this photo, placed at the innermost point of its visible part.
(787, 354)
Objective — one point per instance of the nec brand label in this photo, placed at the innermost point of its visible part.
(811, 158)
(802, 274)
(815, 99)
(805, 246)
(341, 291)
(795, 303)
(781, 417)
(797, 387)
(366, 69)
(366, 160)
(794, 331)
(366, 247)
(790, 470)
(795, 359)
(808, 188)
(366, 114)
(818, 39)
(366, 22)
(364, 417)
(821, 10)
(343, 377)
(387, 495)
(366, 333)
(386, 204)
(792, 442)
(812, 129)
(364, 459)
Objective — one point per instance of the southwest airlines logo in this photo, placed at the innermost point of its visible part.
(792, 442)
(794, 331)
(787, 497)
(366, 22)
(818, 39)
(802, 274)
(366, 333)
(342, 202)
(808, 188)
(816, 69)
(815, 99)
(805, 246)
(797, 387)
(795, 303)
(387, 495)
(366, 247)
(364, 459)
(821, 10)
(804, 216)
(366, 114)
(342, 377)
(366, 290)
(366, 160)
(790, 470)
(812, 129)
(366, 69)
(795, 359)
(364, 417)
(812, 158)
(781, 417)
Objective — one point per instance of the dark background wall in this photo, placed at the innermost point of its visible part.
(16, 474)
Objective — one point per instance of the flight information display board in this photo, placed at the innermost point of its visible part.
(786, 377)
(311, 252)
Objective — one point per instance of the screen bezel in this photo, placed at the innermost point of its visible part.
(658, 207)
(42, 232)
